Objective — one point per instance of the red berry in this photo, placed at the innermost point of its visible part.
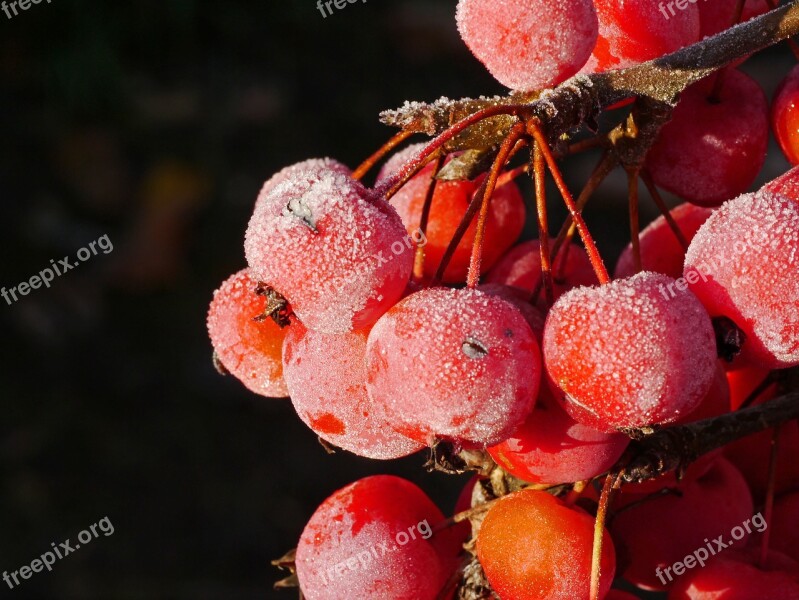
(785, 116)
(519, 298)
(340, 256)
(619, 595)
(532, 546)
(661, 251)
(718, 15)
(713, 148)
(374, 539)
(744, 264)
(550, 447)
(250, 350)
(634, 31)
(736, 576)
(326, 376)
(521, 268)
(450, 201)
(786, 185)
(454, 364)
(743, 382)
(628, 355)
(653, 533)
(529, 44)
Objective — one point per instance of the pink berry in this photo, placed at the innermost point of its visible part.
(529, 44)
(713, 148)
(340, 256)
(374, 539)
(326, 377)
(628, 355)
(661, 251)
(454, 364)
(250, 350)
(744, 264)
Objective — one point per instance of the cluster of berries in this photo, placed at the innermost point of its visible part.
(354, 306)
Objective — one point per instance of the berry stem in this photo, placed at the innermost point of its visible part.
(635, 227)
(463, 226)
(588, 240)
(769, 506)
(418, 259)
(539, 170)
(505, 151)
(664, 210)
(370, 162)
(612, 482)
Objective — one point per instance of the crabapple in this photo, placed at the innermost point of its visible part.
(250, 350)
(529, 44)
(656, 532)
(661, 251)
(374, 539)
(714, 145)
(743, 264)
(785, 116)
(626, 355)
(338, 255)
(326, 378)
(460, 365)
(532, 545)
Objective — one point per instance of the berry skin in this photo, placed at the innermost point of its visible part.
(249, 350)
(312, 165)
(521, 268)
(532, 546)
(736, 575)
(619, 595)
(661, 251)
(337, 254)
(719, 15)
(374, 539)
(534, 317)
(785, 116)
(451, 199)
(326, 378)
(634, 31)
(712, 150)
(786, 185)
(550, 447)
(744, 264)
(459, 365)
(529, 44)
(627, 355)
(658, 532)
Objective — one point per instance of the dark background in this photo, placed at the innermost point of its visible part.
(156, 124)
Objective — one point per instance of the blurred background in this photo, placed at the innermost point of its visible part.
(155, 124)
